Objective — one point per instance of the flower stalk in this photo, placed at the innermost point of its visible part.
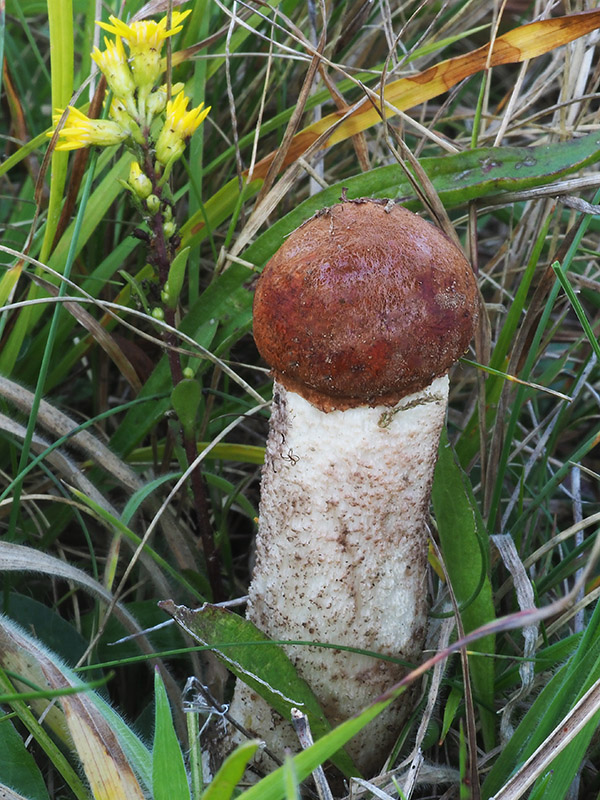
(133, 66)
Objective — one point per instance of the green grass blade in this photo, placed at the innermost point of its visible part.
(118, 525)
(231, 772)
(93, 207)
(577, 308)
(457, 178)
(169, 778)
(60, 19)
(526, 372)
(556, 699)
(273, 787)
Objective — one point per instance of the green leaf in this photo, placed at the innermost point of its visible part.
(457, 178)
(452, 704)
(177, 276)
(17, 766)
(466, 555)
(60, 20)
(169, 778)
(200, 323)
(231, 772)
(263, 665)
(577, 308)
(185, 399)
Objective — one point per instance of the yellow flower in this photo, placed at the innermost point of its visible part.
(81, 131)
(179, 125)
(113, 63)
(145, 40)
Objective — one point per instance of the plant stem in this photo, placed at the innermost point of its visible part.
(161, 255)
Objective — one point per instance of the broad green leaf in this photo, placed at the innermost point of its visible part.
(457, 179)
(466, 555)
(176, 277)
(453, 702)
(169, 778)
(264, 667)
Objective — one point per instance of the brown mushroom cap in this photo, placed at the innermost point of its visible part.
(363, 304)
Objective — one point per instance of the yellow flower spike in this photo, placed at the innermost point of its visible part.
(179, 125)
(81, 131)
(145, 41)
(113, 64)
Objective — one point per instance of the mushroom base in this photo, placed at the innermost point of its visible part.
(341, 557)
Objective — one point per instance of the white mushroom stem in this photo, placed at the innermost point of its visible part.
(342, 554)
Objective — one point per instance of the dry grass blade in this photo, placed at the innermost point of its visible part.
(17, 558)
(526, 599)
(281, 155)
(65, 466)
(59, 424)
(593, 519)
(262, 210)
(517, 45)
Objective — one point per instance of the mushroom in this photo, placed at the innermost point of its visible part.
(360, 315)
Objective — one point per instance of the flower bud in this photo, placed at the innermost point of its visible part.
(139, 181)
(152, 203)
(169, 229)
